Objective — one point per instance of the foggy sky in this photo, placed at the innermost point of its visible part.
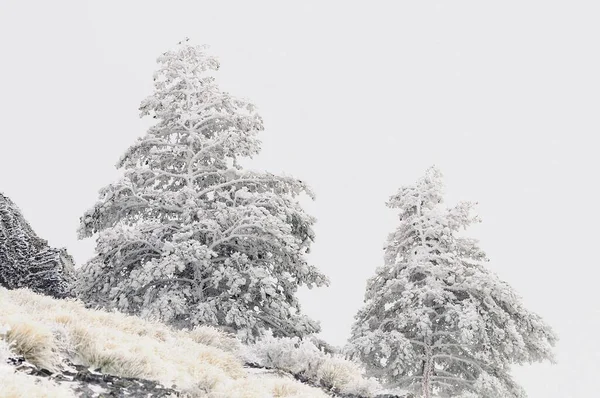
(358, 99)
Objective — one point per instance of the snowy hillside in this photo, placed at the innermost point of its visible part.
(54, 336)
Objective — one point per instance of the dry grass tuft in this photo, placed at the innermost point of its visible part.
(213, 337)
(33, 340)
(17, 385)
(303, 358)
(286, 387)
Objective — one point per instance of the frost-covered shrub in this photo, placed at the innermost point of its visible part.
(303, 359)
(290, 354)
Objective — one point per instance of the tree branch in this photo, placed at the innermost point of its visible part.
(165, 281)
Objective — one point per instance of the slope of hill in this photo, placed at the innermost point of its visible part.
(56, 347)
(64, 349)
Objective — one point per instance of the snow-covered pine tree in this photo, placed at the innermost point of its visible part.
(435, 320)
(187, 235)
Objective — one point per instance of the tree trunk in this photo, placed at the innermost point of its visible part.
(427, 371)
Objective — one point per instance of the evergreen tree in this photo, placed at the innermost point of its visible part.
(435, 320)
(187, 235)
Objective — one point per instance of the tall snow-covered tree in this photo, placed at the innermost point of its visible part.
(435, 320)
(187, 235)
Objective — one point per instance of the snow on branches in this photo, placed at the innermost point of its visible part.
(435, 320)
(187, 235)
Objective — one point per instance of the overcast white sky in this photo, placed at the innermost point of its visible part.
(358, 98)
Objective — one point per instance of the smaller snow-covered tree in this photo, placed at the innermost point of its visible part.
(187, 235)
(435, 320)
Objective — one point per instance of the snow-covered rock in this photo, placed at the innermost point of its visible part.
(26, 260)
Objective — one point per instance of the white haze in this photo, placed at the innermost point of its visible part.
(358, 98)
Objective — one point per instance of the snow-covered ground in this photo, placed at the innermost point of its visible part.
(47, 332)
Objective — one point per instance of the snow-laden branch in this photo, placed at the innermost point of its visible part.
(164, 281)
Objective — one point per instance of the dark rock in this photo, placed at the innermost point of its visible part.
(113, 386)
(26, 260)
(90, 384)
(16, 361)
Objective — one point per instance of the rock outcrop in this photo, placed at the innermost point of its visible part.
(26, 260)
(86, 383)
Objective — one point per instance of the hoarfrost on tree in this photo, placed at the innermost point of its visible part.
(435, 320)
(26, 260)
(187, 235)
